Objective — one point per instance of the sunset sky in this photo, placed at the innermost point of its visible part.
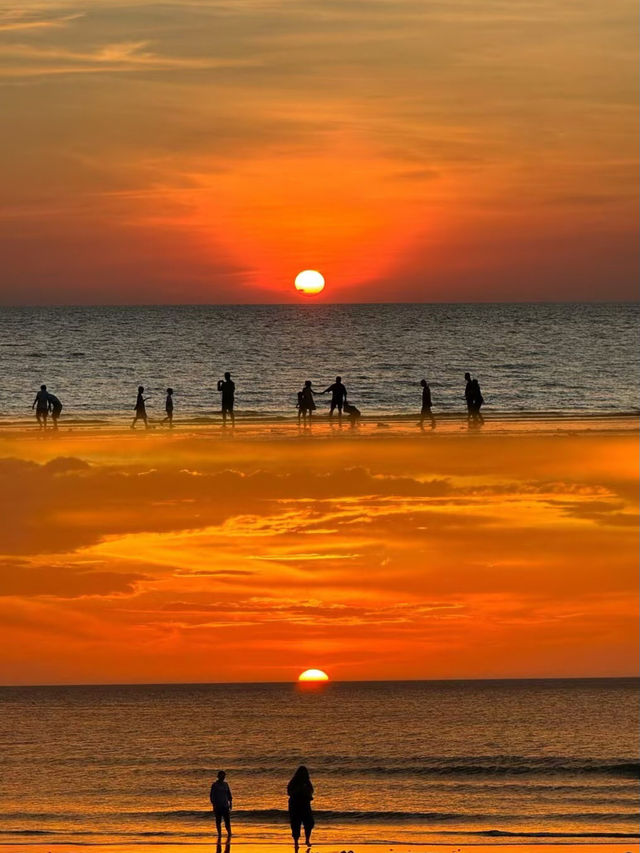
(192, 559)
(208, 150)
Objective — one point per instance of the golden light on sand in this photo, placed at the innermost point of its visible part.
(309, 282)
(313, 675)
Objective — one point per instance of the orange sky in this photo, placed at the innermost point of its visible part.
(207, 150)
(149, 558)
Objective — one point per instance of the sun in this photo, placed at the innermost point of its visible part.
(309, 282)
(313, 675)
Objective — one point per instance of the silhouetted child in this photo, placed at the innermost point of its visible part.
(221, 800)
(41, 405)
(426, 412)
(168, 407)
(55, 408)
(140, 409)
(228, 390)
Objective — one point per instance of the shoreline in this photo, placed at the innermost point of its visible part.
(544, 846)
(368, 426)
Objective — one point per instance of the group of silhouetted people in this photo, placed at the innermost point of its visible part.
(47, 404)
(299, 792)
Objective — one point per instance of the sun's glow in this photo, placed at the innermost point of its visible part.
(309, 282)
(313, 675)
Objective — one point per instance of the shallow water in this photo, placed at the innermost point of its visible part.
(539, 357)
(428, 761)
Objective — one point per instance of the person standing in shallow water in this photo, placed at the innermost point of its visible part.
(306, 402)
(41, 405)
(300, 791)
(468, 394)
(222, 801)
(168, 407)
(227, 388)
(55, 408)
(140, 409)
(426, 412)
(338, 396)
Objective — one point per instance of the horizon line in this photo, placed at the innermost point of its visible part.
(634, 677)
(319, 303)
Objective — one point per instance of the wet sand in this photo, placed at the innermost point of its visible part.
(268, 847)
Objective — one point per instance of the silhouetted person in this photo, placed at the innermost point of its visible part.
(478, 400)
(168, 407)
(55, 408)
(228, 390)
(41, 405)
(338, 396)
(306, 403)
(426, 412)
(221, 800)
(468, 394)
(300, 791)
(140, 409)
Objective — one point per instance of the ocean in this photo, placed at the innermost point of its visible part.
(425, 762)
(563, 358)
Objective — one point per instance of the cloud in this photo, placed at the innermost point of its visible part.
(16, 20)
(63, 581)
(126, 56)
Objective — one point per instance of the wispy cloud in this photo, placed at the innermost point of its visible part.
(126, 56)
(16, 20)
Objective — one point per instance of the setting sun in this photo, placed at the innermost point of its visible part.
(313, 675)
(309, 282)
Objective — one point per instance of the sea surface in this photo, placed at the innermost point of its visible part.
(425, 762)
(528, 357)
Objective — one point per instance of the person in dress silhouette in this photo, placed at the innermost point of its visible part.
(168, 407)
(426, 412)
(41, 405)
(55, 409)
(227, 388)
(338, 396)
(306, 402)
(222, 801)
(140, 409)
(300, 792)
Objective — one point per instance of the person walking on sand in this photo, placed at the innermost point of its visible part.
(140, 409)
(426, 412)
(221, 800)
(168, 407)
(55, 409)
(41, 405)
(300, 792)
(227, 388)
(338, 396)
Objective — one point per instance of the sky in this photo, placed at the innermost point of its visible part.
(182, 559)
(205, 151)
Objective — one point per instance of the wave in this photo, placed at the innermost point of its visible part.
(459, 766)
(274, 815)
